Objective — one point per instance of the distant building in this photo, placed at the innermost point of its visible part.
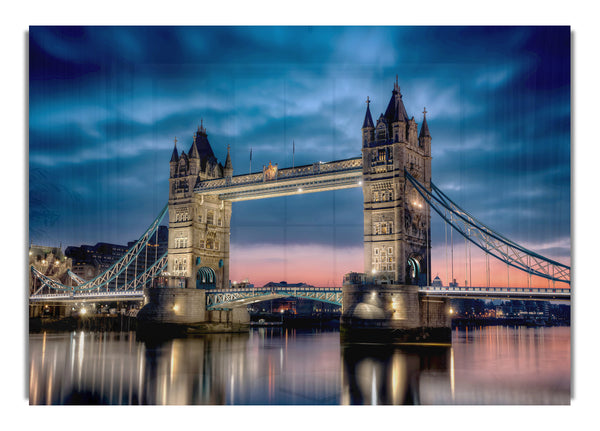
(437, 282)
(89, 261)
(244, 284)
(355, 278)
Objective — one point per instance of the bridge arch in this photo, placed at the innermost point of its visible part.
(206, 278)
(415, 269)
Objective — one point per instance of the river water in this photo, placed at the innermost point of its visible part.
(484, 365)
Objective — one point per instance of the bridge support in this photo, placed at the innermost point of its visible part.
(184, 311)
(384, 304)
(375, 313)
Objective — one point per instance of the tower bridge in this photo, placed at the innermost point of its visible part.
(393, 293)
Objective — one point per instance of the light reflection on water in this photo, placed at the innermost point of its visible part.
(490, 365)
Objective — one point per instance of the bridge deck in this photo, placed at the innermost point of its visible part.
(241, 297)
(124, 295)
(318, 177)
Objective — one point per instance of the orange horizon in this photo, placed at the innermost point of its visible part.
(323, 266)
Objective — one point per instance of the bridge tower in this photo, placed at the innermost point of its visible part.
(396, 219)
(384, 303)
(199, 225)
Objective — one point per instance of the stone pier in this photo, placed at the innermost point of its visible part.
(375, 313)
(184, 310)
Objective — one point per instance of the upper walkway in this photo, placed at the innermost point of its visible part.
(272, 182)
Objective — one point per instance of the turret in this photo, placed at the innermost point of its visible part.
(368, 128)
(174, 160)
(228, 170)
(424, 136)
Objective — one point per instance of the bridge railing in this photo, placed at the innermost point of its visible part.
(494, 290)
(86, 295)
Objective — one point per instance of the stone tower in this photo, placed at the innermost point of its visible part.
(199, 226)
(396, 219)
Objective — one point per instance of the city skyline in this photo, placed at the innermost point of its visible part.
(106, 104)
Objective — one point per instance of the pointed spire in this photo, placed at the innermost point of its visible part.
(368, 119)
(201, 128)
(193, 153)
(228, 165)
(424, 127)
(175, 155)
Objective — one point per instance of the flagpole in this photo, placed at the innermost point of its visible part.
(250, 160)
(293, 152)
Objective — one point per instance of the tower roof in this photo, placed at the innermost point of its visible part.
(395, 110)
(201, 147)
(424, 127)
(175, 155)
(368, 119)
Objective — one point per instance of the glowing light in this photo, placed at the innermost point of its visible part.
(451, 311)
(83, 311)
(300, 190)
(176, 308)
(374, 271)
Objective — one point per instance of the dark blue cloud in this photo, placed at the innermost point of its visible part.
(107, 102)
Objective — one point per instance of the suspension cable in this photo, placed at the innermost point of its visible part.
(466, 261)
(446, 238)
(489, 240)
(451, 250)
(114, 271)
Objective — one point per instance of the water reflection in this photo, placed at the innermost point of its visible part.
(496, 365)
(391, 375)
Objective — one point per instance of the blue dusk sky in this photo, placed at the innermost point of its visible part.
(105, 104)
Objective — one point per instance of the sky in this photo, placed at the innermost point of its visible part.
(105, 104)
